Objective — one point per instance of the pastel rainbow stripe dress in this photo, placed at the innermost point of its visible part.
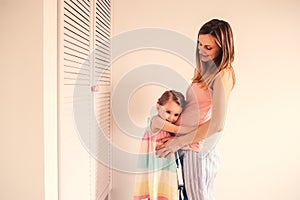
(156, 178)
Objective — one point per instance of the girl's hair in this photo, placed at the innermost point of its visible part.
(221, 31)
(172, 95)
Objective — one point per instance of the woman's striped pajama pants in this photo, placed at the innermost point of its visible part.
(199, 171)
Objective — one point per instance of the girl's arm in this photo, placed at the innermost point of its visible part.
(158, 123)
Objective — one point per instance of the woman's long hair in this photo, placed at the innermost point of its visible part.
(205, 73)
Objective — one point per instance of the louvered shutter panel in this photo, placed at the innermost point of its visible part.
(84, 117)
(102, 99)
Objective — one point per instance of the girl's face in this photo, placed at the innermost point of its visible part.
(208, 48)
(170, 111)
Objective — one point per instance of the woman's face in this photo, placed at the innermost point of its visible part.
(208, 48)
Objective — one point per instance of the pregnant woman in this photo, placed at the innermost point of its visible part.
(207, 100)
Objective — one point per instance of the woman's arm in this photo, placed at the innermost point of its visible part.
(221, 91)
(169, 145)
(222, 87)
(158, 123)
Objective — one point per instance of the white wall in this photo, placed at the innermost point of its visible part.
(259, 150)
(21, 103)
(50, 99)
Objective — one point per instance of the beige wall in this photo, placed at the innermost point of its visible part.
(21, 103)
(259, 150)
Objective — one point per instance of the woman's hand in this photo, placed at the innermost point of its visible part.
(171, 144)
(163, 149)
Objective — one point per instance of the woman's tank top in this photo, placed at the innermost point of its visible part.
(197, 111)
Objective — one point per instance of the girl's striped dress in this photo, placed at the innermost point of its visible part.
(156, 178)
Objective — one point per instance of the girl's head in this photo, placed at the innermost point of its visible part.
(170, 105)
(215, 50)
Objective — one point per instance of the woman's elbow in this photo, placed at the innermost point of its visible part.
(219, 129)
(216, 127)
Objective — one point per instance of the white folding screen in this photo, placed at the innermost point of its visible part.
(84, 117)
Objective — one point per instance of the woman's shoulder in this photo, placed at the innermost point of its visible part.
(227, 73)
(226, 76)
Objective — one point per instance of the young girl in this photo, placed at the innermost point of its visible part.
(158, 180)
